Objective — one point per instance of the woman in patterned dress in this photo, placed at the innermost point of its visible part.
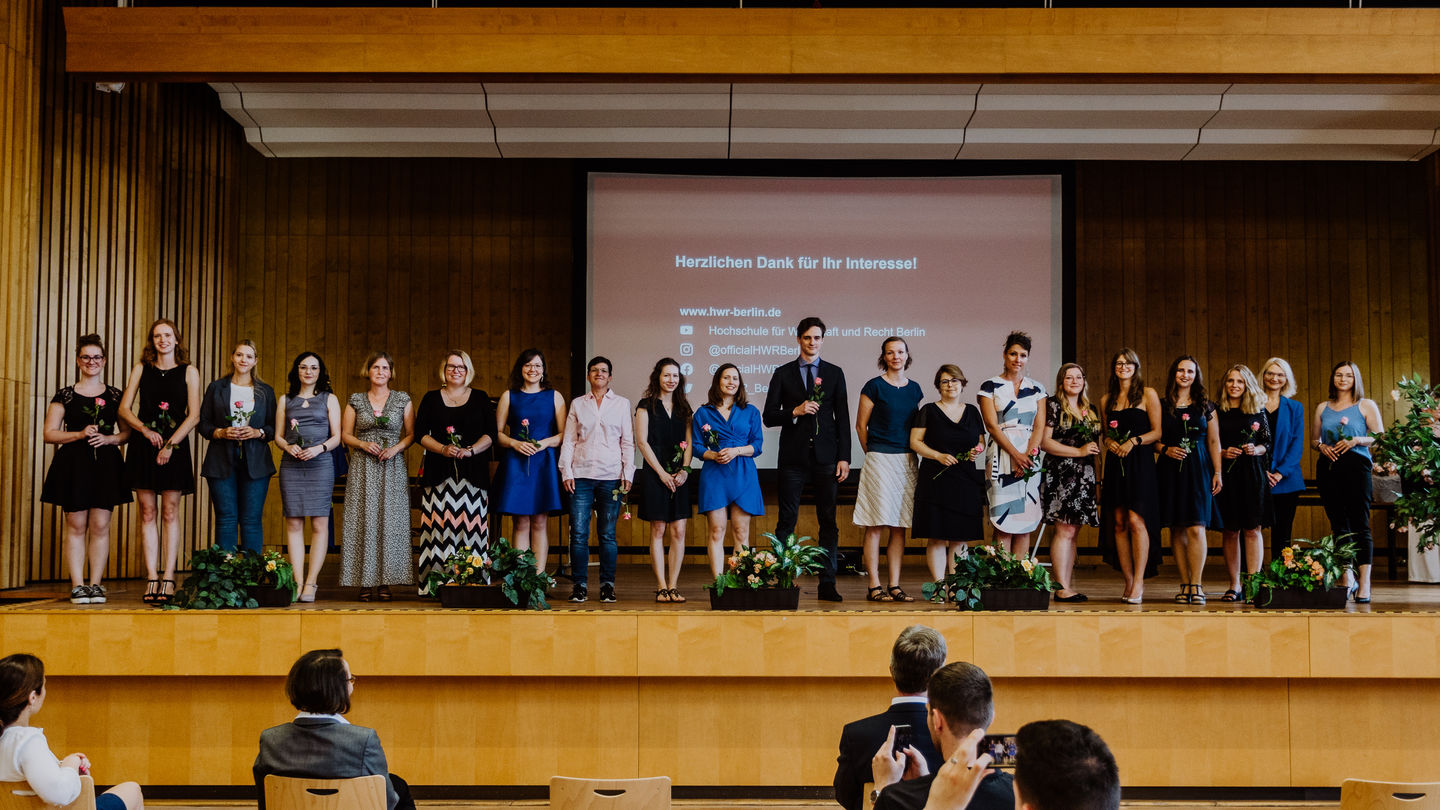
(885, 500)
(307, 431)
(456, 426)
(85, 477)
(1069, 486)
(1011, 405)
(161, 404)
(379, 425)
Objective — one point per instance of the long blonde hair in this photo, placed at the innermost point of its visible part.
(1253, 400)
(1068, 415)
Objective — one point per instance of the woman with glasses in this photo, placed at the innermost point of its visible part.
(86, 475)
(530, 418)
(1129, 498)
(1068, 491)
(949, 437)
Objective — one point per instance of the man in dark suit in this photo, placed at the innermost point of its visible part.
(917, 653)
(808, 401)
(962, 705)
(1060, 765)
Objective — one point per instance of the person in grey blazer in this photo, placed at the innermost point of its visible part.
(320, 743)
(237, 415)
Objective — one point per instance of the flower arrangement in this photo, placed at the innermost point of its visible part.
(1411, 447)
(502, 564)
(1305, 565)
(753, 568)
(985, 568)
(219, 578)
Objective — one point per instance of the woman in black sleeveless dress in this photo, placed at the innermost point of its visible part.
(1129, 501)
(662, 435)
(161, 405)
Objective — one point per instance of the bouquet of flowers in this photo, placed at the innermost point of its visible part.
(984, 568)
(778, 567)
(219, 578)
(501, 564)
(1305, 565)
(1411, 447)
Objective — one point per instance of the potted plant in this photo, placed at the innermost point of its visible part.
(991, 578)
(1411, 447)
(236, 579)
(501, 577)
(1304, 576)
(764, 579)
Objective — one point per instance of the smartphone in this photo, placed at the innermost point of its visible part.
(904, 738)
(1001, 748)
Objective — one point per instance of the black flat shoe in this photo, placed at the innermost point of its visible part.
(1074, 597)
(829, 594)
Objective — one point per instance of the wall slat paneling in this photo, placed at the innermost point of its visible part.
(19, 123)
(136, 207)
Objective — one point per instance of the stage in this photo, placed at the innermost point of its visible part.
(1214, 696)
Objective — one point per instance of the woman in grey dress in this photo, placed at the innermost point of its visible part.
(307, 431)
(379, 425)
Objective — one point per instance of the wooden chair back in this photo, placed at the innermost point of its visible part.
(865, 803)
(650, 793)
(1362, 794)
(19, 796)
(303, 793)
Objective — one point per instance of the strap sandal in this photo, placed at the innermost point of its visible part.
(898, 595)
(662, 594)
(675, 595)
(1231, 595)
(366, 594)
(167, 592)
(152, 592)
(383, 594)
(1183, 597)
(1197, 596)
(877, 594)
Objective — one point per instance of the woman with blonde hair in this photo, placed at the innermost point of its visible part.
(1070, 486)
(1286, 419)
(1244, 502)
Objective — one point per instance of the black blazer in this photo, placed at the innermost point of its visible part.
(223, 455)
(861, 739)
(832, 441)
(996, 792)
(321, 748)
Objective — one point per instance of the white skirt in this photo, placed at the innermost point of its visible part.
(887, 490)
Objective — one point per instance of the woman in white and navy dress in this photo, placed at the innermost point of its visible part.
(1013, 407)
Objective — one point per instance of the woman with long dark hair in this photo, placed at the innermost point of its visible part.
(531, 419)
(662, 433)
(307, 431)
(1342, 433)
(1129, 500)
(1188, 472)
(729, 433)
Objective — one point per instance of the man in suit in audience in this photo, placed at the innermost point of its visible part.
(808, 401)
(1060, 765)
(962, 705)
(917, 653)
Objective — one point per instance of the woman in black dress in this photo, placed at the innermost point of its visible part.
(948, 436)
(161, 404)
(662, 431)
(1189, 472)
(1244, 503)
(85, 477)
(1129, 503)
(456, 426)
(1068, 490)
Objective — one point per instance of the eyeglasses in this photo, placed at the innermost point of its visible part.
(1123, 364)
(351, 679)
(449, 367)
(92, 358)
(951, 381)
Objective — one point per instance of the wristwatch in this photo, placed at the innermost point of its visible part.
(874, 795)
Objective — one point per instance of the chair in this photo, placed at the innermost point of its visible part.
(1362, 794)
(19, 796)
(652, 793)
(865, 803)
(301, 793)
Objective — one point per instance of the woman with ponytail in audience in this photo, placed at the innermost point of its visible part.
(1129, 500)
(1068, 490)
(161, 404)
(1341, 433)
(86, 475)
(1244, 502)
(1188, 472)
(1286, 419)
(25, 753)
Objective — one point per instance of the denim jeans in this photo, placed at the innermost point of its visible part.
(239, 500)
(591, 494)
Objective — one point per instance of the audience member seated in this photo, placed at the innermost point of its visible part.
(25, 755)
(917, 653)
(962, 704)
(1060, 765)
(320, 743)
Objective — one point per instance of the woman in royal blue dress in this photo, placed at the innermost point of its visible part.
(1341, 433)
(530, 415)
(1189, 472)
(728, 431)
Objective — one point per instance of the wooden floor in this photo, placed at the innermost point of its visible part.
(635, 590)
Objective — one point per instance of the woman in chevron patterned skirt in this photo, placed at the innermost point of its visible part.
(456, 426)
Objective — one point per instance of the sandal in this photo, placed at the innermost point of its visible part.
(383, 594)
(1183, 597)
(877, 594)
(662, 595)
(366, 595)
(152, 592)
(898, 595)
(1197, 596)
(675, 595)
(1231, 595)
(167, 592)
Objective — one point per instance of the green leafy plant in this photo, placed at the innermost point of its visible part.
(1305, 565)
(777, 567)
(219, 578)
(986, 568)
(501, 564)
(1411, 447)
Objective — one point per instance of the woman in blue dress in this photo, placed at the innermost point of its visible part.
(1341, 433)
(885, 499)
(530, 415)
(1188, 472)
(728, 429)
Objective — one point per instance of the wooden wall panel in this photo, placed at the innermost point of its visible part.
(19, 123)
(136, 213)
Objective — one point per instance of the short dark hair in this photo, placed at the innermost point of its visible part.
(317, 683)
(1060, 765)
(909, 358)
(918, 652)
(806, 323)
(961, 692)
(517, 374)
(21, 675)
(597, 360)
(1020, 339)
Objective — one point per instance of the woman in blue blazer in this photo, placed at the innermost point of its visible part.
(1287, 429)
(237, 415)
